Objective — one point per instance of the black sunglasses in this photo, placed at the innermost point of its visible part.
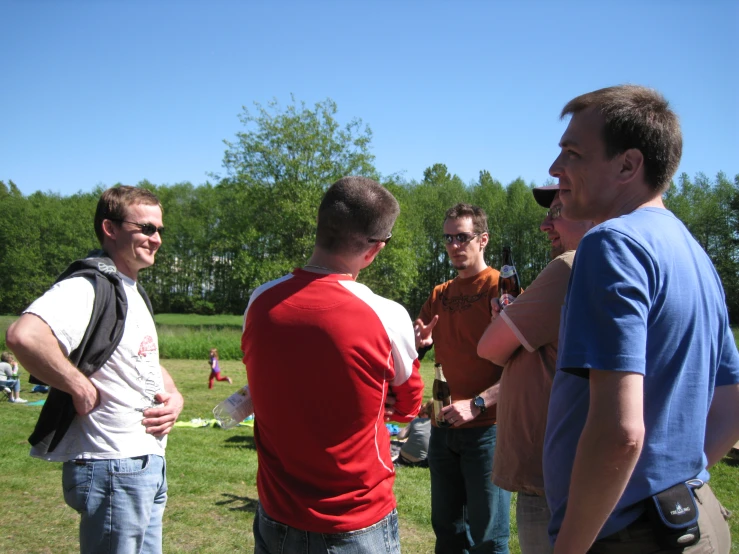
(461, 238)
(147, 229)
(385, 240)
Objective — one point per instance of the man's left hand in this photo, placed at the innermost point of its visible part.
(460, 412)
(160, 420)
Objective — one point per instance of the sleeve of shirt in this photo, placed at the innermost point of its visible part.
(534, 315)
(407, 385)
(66, 308)
(608, 302)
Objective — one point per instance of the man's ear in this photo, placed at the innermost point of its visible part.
(484, 239)
(631, 164)
(372, 252)
(109, 230)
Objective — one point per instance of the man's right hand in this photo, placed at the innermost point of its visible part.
(86, 398)
(423, 332)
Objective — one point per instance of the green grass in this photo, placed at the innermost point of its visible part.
(194, 320)
(211, 475)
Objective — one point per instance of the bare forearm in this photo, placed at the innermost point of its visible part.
(602, 468)
(490, 396)
(608, 449)
(168, 382)
(38, 351)
(722, 426)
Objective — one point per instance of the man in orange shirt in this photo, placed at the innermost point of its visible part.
(468, 512)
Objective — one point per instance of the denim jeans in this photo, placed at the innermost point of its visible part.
(532, 517)
(273, 537)
(468, 512)
(121, 503)
(12, 384)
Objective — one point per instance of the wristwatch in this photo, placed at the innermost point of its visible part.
(479, 403)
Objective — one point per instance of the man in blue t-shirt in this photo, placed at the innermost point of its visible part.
(646, 393)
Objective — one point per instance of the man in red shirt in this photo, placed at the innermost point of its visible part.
(322, 353)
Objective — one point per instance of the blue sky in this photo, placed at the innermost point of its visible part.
(100, 92)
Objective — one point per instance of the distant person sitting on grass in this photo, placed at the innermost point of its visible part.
(10, 379)
(414, 450)
(215, 369)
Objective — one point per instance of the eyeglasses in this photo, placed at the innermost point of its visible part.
(554, 213)
(385, 240)
(461, 238)
(147, 229)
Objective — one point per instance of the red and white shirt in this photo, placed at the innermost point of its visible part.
(321, 352)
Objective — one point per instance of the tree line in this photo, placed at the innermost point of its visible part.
(256, 222)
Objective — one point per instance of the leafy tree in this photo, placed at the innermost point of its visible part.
(710, 211)
(278, 170)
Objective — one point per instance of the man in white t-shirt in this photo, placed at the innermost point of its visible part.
(114, 472)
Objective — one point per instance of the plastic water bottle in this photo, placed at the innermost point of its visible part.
(234, 409)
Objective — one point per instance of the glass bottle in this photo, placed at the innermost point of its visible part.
(442, 395)
(509, 286)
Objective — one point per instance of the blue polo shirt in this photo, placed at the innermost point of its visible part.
(643, 297)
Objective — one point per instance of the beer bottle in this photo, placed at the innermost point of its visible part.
(442, 395)
(509, 287)
(234, 409)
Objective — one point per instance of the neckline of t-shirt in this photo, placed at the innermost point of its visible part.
(316, 275)
(127, 280)
(474, 277)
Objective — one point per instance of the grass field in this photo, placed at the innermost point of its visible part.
(211, 472)
(211, 475)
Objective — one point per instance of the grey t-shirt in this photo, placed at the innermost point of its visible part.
(6, 371)
(416, 447)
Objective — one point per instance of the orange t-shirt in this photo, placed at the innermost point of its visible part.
(463, 306)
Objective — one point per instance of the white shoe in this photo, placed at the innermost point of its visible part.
(19, 400)
(6, 390)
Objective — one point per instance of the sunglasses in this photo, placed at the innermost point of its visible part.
(385, 240)
(554, 213)
(461, 238)
(147, 229)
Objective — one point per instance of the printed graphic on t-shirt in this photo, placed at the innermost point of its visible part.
(460, 303)
(148, 373)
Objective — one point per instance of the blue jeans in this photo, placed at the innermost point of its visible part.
(532, 517)
(12, 384)
(273, 537)
(121, 503)
(468, 512)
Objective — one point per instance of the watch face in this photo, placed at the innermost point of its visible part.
(479, 402)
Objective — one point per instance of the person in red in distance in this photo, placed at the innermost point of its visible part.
(215, 369)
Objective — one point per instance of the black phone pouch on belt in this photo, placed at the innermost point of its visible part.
(674, 515)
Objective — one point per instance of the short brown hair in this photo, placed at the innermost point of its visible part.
(6, 357)
(476, 213)
(637, 117)
(353, 210)
(114, 203)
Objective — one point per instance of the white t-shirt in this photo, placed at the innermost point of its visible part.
(127, 383)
